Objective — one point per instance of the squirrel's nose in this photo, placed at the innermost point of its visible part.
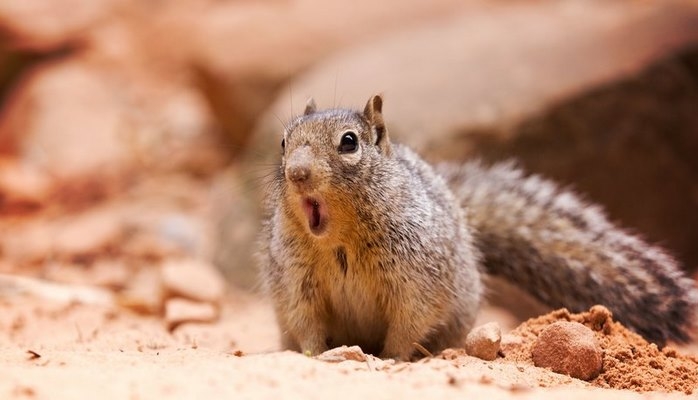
(298, 173)
(299, 166)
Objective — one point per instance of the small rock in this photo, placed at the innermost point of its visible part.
(568, 348)
(144, 292)
(483, 341)
(343, 353)
(86, 235)
(193, 279)
(179, 311)
(23, 184)
(109, 273)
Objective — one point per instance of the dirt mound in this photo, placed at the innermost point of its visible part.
(629, 361)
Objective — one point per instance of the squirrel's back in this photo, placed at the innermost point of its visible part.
(565, 252)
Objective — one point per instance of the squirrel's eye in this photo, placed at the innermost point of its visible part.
(283, 144)
(349, 143)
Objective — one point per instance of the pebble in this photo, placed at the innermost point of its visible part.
(193, 279)
(483, 341)
(90, 233)
(23, 183)
(179, 311)
(568, 348)
(342, 353)
(144, 292)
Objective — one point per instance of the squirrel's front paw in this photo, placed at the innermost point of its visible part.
(398, 345)
(399, 352)
(313, 348)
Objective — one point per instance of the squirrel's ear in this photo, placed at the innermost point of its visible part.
(374, 114)
(310, 107)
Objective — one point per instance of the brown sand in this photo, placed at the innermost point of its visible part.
(629, 361)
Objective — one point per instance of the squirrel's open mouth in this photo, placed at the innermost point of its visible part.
(316, 212)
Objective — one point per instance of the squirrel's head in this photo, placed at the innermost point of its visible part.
(325, 152)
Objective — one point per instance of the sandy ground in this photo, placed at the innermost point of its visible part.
(112, 148)
(51, 349)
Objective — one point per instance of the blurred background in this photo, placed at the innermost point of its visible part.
(136, 135)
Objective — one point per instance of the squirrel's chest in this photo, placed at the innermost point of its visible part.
(348, 280)
(356, 310)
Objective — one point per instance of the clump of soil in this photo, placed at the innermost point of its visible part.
(569, 348)
(629, 361)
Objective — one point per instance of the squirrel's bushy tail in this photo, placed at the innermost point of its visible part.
(566, 252)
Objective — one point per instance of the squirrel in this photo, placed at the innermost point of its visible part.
(366, 244)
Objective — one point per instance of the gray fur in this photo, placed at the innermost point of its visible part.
(373, 248)
(567, 253)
